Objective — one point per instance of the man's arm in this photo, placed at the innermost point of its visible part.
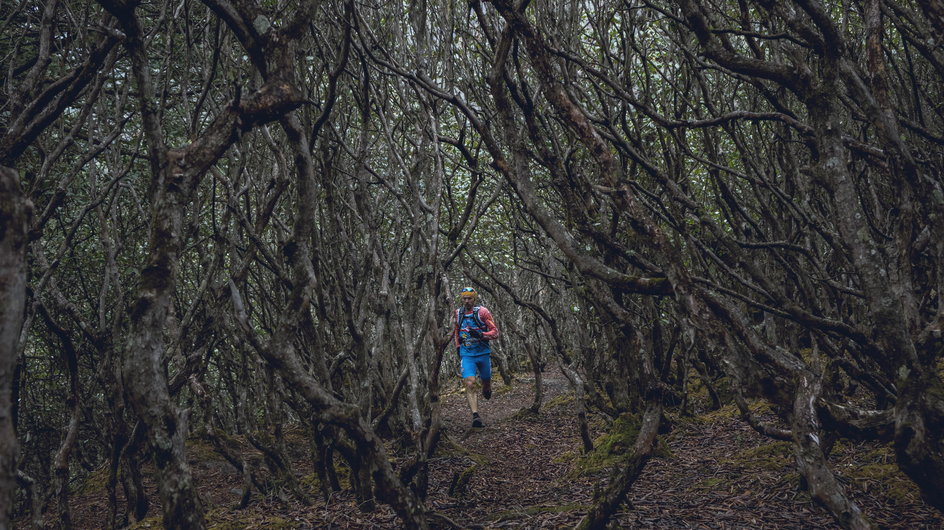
(492, 330)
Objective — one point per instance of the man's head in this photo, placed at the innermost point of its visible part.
(468, 296)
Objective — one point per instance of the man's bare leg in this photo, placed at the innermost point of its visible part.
(471, 394)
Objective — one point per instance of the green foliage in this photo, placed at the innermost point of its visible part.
(737, 195)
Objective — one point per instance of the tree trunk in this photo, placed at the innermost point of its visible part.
(811, 461)
(623, 480)
(143, 375)
(14, 223)
(537, 369)
(919, 415)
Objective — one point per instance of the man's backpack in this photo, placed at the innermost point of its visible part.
(475, 317)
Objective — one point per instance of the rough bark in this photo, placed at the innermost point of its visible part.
(15, 212)
(919, 415)
(623, 480)
(811, 462)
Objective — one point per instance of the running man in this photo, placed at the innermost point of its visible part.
(473, 330)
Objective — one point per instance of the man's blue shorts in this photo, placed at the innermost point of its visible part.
(482, 364)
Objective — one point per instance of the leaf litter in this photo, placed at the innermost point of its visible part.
(523, 471)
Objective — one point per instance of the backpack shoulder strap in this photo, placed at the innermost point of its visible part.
(475, 316)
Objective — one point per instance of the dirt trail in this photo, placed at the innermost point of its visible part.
(715, 472)
(523, 471)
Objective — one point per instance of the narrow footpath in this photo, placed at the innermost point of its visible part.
(527, 471)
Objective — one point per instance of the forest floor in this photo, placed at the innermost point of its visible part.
(527, 471)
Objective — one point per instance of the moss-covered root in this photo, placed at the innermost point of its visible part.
(460, 481)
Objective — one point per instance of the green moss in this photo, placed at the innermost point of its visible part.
(223, 519)
(274, 523)
(760, 406)
(886, 478)
(460, 481)
(709, 484)
(559, 401)
(880, 473)
(343, 472)
(525, 413)
(201, 450)
(880, 455)
(450, 448)
(93, 482)
(226, 525)
(768, 457)
(565, 457)
(531, 511)
(806, 354)
(727, 412)
(792, 477)
(662, 449)
(149, 522)
(730, 412)
(310, 482)
(612, 448)
(839, 447)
